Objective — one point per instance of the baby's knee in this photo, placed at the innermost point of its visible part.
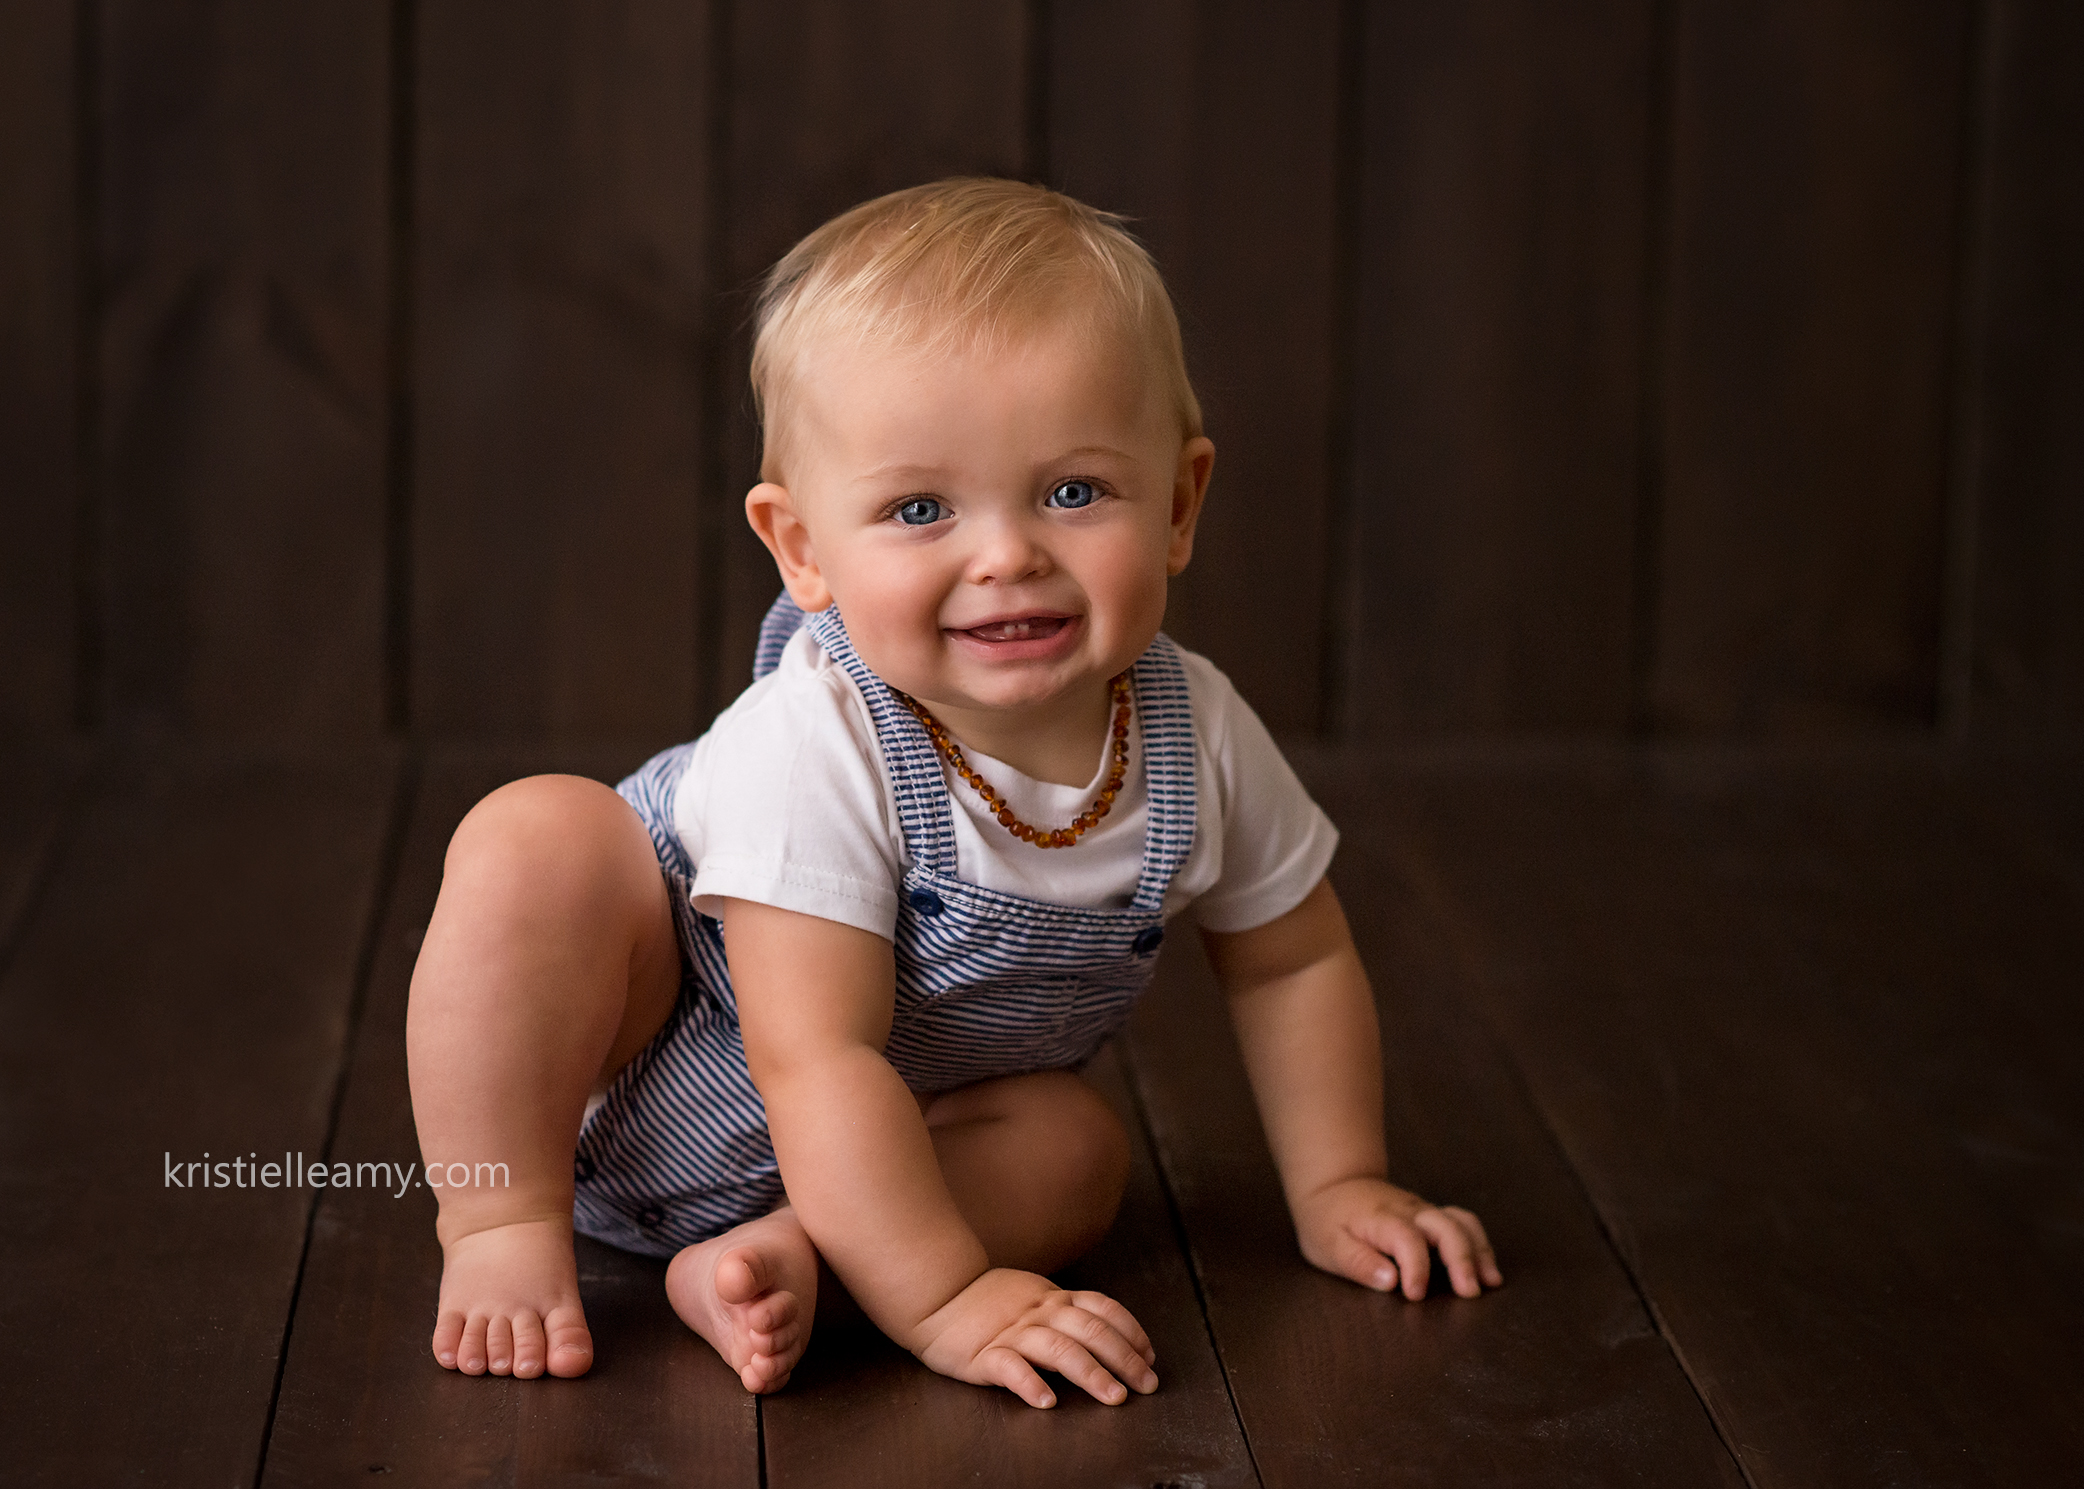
(551, 835)
(1091, 1142)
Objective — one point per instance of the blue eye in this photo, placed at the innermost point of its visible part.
(1073, 494)
(919, 511)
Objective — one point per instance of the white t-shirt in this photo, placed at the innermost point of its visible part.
(785, 802)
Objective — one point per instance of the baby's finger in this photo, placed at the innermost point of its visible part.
(1053, 1349)
(1353, 1258)
(1001, 1366)
(1406, 1245)
(1120, 1319)
(1457, 1250)
(1106, 1345)
(1486, 1258)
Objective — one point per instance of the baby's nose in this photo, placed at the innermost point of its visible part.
(1008, 552)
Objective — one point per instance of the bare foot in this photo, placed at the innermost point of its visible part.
(751, 1292)
(510, 1303)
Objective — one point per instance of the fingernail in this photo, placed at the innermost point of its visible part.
(1385, 1277)
(1049, 1401)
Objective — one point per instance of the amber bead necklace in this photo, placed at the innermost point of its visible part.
(1041, 837)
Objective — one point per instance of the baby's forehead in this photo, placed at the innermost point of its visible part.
(813, 394)
(1097, 330)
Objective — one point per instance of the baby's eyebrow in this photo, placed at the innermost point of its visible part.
(900, 472)
(929, 474)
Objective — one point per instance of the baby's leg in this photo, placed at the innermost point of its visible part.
(550, 961)
(1036, 1164)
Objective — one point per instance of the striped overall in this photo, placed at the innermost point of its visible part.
(988, 984)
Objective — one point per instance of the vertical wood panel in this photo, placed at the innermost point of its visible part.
(1214, 126)
(243, 253)
(1498, 371)
(2028, 604)
(832, 104)
(42, 778)
(39, 480)
(561, 290)
(1813, 248)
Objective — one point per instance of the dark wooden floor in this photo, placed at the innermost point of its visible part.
(1764, 1069)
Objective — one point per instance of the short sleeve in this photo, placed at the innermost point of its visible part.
(785, 802)
(1274, 842)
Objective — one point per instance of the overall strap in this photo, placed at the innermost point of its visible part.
(923, 808)
(1165, 716)
(1166, 713)
(782, 623)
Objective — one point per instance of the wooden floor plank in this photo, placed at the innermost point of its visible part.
(860, 1412)
(1813, 1047)
(1955, 955)
(181, 990)
(361, 1392)
(1559, 1378)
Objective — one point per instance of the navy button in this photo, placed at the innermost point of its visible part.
(583, 1167)
(926, 902)
(1147, 940)
(651, 1217)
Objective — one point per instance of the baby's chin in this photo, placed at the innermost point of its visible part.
(1019, 689)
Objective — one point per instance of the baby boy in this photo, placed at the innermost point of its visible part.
(802, 1005)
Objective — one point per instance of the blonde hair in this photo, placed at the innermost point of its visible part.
(966, 262)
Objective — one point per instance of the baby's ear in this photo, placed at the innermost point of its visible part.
(1197, 461)
(773, 516)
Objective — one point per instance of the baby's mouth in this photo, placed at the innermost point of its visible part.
(1024, 628)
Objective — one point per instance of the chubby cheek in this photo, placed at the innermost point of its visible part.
(892, 611)
(1126, 589)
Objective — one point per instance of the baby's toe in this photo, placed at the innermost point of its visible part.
(528, 1344)
(470, 1354)
(569, 1344)
(741, 1275)
(448, 1335)
(772, 1313)
(499, 1344)
(778, 1341)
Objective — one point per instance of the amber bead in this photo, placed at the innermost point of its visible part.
(1041, 837)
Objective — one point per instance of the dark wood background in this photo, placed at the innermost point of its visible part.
(1590, 380)
(1632, 367)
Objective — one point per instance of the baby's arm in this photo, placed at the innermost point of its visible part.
(1305, 1019)
(814, 1001)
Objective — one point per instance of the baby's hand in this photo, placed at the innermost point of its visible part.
(996, 1330)
(1374, 1233)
